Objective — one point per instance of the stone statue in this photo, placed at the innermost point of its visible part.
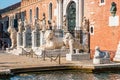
(50, 25)
(64, 23)
(54, 43)
(44, 22)
(85, 34)
(54, 25)
(25, 23)
(85, 24)
(37, 24)
(13, 35)
(71, 43)
(113, 8)
(100, 54)
(20, 28)
(101, 57)
(51, 41)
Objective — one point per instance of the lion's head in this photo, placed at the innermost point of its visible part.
(67, 38)
(49, 35)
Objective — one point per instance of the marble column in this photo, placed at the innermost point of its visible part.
(42, 41)
(57, 15)
(24, 39)
(81, 12)
(60, 13)
(77, 16)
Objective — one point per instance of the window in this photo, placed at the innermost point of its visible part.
(91, 30)
(37, 13)
(23, 14)
(102, 2)
(50, 11)
(30, 15)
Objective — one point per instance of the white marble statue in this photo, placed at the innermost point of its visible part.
(64, 23)
(44, 22)
(101, 57)
(20, 28)
(25, 23)
(68, 42)
(37, 24)
(85, 24)
(100, 54)
(51, 42)
(13, 35)
(71, 43)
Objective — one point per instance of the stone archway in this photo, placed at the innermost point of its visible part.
(71, 16)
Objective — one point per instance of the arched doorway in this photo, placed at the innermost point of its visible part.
(71, 16)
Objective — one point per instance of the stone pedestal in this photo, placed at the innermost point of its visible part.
(101, 60)
(24, 39)
(42, 41)
(19, 39)
(117, 55)
(27, 39)
(77, 57)
(35, 39)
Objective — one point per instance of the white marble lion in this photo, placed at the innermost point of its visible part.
(71, 43)
(51, 42)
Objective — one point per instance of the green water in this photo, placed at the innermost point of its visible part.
(66, 75)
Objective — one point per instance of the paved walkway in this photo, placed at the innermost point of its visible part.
(13, 62)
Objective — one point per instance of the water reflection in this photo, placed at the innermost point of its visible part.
(67, 75)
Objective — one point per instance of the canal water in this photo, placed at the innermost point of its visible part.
(66, 75)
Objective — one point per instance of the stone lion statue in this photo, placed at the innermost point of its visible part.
(13, 35)
(68, 42)
(51, 41)
(71, 43)
(100, 54)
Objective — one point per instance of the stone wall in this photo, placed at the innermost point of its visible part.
(43, 6)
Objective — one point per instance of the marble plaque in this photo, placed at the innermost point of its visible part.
(114, 21)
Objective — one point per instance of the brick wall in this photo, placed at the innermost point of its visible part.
(105, 37)
(43, 6)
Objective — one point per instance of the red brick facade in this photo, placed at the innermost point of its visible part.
(42, 5)
(105, 36)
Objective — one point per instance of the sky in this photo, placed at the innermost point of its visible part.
(6, 3)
